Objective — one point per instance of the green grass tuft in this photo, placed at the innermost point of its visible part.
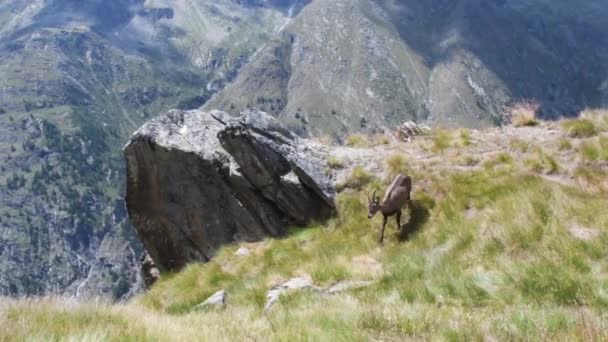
(465, 137)
(335, 162)
(541, 162)
(579, 128)
(596, 151)
(502, 158)
(441, 140)
(564, 144)
(547, 282)
(357, 140)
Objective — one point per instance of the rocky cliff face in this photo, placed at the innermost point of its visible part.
(198, 180)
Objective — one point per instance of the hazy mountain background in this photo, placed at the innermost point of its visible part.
(347, 65)
(78, 77)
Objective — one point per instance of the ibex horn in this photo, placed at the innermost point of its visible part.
(374, 195)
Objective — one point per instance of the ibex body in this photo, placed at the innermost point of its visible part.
(397, 196)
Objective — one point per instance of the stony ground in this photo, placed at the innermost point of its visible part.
(463, 150)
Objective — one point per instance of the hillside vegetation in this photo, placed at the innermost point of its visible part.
(505, 241)
(77, 79)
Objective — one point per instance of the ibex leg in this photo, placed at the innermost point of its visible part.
(383, 226)
(398, 217)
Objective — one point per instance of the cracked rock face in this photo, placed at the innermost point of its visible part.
(198, 180)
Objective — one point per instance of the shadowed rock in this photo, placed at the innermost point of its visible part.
(197, 180)
(149, 271)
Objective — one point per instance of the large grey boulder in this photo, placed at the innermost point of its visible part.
(197, 180)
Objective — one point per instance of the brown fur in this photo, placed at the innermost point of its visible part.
(397, 196)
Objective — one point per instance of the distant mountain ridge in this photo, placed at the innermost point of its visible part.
(343, 66)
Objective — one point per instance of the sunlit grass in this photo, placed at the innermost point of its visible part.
(483, 254)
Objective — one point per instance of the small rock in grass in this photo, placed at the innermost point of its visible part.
(243, 251)
(583, 233)
(218, 299)
(292, 284)
(347, 285)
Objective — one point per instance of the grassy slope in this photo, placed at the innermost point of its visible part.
(489, 253)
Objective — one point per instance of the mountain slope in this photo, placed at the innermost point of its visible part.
(343, 66)
(76, 79)
(505, 240)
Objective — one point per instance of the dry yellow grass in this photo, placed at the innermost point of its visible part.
(579, 128)
(357, 140)
(524, 114)
(598, 116)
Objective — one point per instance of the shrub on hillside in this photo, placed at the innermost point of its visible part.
(502, 158)
(465, 137)
(357, 140)
(524, 113)
(564, 144)
(579, 128)
(441, 140)
(520, 145)
(542, 163)
(334, 162)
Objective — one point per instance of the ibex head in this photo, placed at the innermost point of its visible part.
(373, 205)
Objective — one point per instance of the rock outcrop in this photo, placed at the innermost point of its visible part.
(198, 180)
(149, 271)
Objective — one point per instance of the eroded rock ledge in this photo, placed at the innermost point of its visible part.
(197, 180)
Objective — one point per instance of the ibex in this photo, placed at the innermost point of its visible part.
(397, 196)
